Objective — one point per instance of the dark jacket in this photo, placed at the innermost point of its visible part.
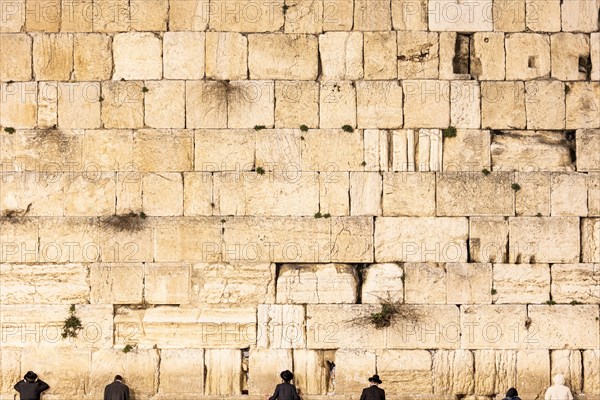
(116, 391)
(31, 390)
(373, 393)
(285, 391)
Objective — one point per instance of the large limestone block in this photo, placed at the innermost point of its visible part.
(493, 326)
(197, 193)
(163, 150)
(206, 104)
(139, 367)
(246, 16)
(377, 150)
(407, 372)
(595, 55)
(474, 194)
(154, 186)
(453, 372)
(465, 104)
(425, 283)
(42, 195)
(365, 193)
(281, 326)
(522, 283)
(137, 56)
(224, 150)
(184, 55)
(569, 363)
(79, 105)
(409, 194)
(379, 104)
(130, 244)
(148, 15)
(112, 16)
(468, 283)
(276, 239)
(503, 105)
(543, 15)
(65, 370)
(531, 151)
(18, 105)
(297, 104)
(567, 48)
(334, 189)
(352, 368)
(533, 372)
(188, 15)
(424, 239)
(274, 193)
(280, 150)
(351, 239)
(123, 104)
(576, 283)
(591, 371)
(226, 55)
(320, 283)
(19, 241)
(167, 283)
(304, 16)
(488, 239)
(223, 371)
(588, 150)
(47, 104)
(18, 67)
(487, 54)
(542, 96)
(41, 325)
(92, 57)
(264, 368)
(453, 15)
(77, 16)
(495, 370)
(583, 105)
(509, 15)
(251, 283)
(78, 192)
(53, 56)
(564, 327)
(188, 239)
(319, 145)
(337, 104)
(527, 56)
(590, 240)
(534, 197)
(44, 284)
(282, 56)
(311, 372)
(427, 104)
(250, 103)
(540, 239)
(468, 151)
(418, 55)
(382, 282)
(68, 240)
(569, 195)
(109, 150)
(164, 104)
(10, 366)
(380, 50)
(372, 15)
(593, 189)
(181, 371)
(408, 15)
(580, 15)
(117, 283)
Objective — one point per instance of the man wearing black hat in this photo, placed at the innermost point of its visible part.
(116, 390)
(373, 392)
(30, 388)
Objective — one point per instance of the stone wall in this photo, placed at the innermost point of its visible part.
(230, 188)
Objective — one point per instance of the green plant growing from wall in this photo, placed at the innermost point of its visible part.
(127, 348)
(260, 171)
(485, 171)
(303, 128)
(259, 127)
(516, 187)
(348, 128)
(9, 130)
(449, 132)
(72, 324)
(145, 89)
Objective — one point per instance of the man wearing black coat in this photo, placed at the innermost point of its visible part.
(116, 390)
(30, 388)
(373, 392)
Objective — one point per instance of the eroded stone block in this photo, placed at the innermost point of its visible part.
(321, 283)
(282, 56)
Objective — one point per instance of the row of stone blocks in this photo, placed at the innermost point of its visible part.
(390, 104)
(297, 16)
(251, 284)
(333, 56)
(193, 373)
(300, 239)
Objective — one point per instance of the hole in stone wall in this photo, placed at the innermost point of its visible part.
(532, 62)
(329, 357)
(585, 66)
(570, 137)
(461, 64)
(245, 370)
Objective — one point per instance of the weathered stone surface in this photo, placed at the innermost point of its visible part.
(380, 59)
(280, 56)
(468, 151)
(531, 151)
(554, 326)
(453, 15)
(181, 371)
(10, 365)
(304, 16)
(19, 242)
(509, 15)
(148, 15)
(495, 370)
(280, 151)
(590, 240)
(593, 186)
(118, 244)
(111, 16)
(337, 104)
(382, 282)
(123, 104)
(329, 283)
(351, 239)
(379, 104)
(92, 57)
(226, 55)
(485, 326)
(206, 104)
(570, 364)
(427, 104)
(167, 284)
(418, 56)
(540, 239)
(576, 283)
(406, 371)
(224, 150)
(117, 283)
(222, 378)
(137, 56)
(139, 367)
(533, 372)
(488, 239)
(409, 194)
(566, 50)
(197, 193)
(18, 68)
(474, 194)
(372, 16)
(68, 240)
(189, 239)
(188, 15)
(184, 55)
(453, 372)
(377, 148)
(334, 189)
(542, 96)
(591, 367)
(569, 195)
(594, 55)
(468, 283)
(311, 371)
(583, 106)
(423, 239)
(341, 55)
(588, 150)
(425, 283)
(79, 105)
(365, 193)
(265, 366)
(487, 54)
(521, 283)
(163, 150)
(503, 105)
(47, 114)
(297, 104)
(318, 145)
(164, 104)
(154, 202)
(408, 15)
(527, 55)
(465, 104)
(246, 16)
(68, 376)
(352, 366)
(580, 15)
(543, 15)
(250, 104)
(281, 326)
(53, 56)
(18, 103)
(533, 198)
